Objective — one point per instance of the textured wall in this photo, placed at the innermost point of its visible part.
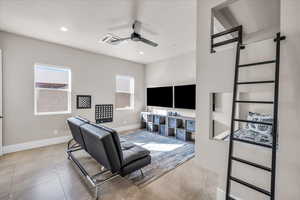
(215, 74)
(179, 70)
(92, 74)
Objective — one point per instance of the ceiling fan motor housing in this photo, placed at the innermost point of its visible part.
(135, 37)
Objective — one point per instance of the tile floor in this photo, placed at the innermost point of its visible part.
(46, 173)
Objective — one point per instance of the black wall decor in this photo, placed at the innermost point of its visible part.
(185, 96)
(160, 96)
(84, 101)
(104, 113)
(213, 102)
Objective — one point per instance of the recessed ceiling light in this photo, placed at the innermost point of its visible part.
(63, 29)
(141, 53)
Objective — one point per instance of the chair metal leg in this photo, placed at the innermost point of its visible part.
(96, 193)
(91, 179)
(142, 172)
(69, 143)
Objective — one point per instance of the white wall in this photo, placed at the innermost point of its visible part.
(92, 74)
(288, 172)
(215, 74)
(178, 70)
(1, 120)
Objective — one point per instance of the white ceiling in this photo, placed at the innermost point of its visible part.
(172, 23)
(256, 15)
(260, 18)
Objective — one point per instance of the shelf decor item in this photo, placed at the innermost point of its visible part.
(104, 113)
(83, 101)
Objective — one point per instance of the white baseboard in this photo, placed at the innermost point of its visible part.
(34, 144)
(127, 127)
(52, 141)
(221, 195)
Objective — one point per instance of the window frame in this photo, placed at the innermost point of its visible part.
(130, 78)
(69, 90)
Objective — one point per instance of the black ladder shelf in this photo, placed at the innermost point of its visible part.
(272, 169)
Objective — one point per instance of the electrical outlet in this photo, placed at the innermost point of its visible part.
(55, 132)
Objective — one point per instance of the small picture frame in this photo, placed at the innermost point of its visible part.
(83, 101)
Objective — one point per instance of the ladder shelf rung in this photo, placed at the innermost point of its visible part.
(234, 138)
(251, 142)
(253, 122)
(235, 29)
(252, 164)
(225, 42)
(254, 82)
(260, 102)
(250, 186)
(258, 63)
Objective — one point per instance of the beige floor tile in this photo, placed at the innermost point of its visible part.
(50, 190)
(118, 188)
(76, 189)
(46, 173)
(28, 177)
(5, 187)
(6, 177)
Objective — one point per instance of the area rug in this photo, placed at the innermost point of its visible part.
(167, 153)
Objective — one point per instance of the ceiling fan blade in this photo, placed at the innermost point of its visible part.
(148, 42)
(117, 41)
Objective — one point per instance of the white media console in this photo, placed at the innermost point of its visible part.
(180, 127)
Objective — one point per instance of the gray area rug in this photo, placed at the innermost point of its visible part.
(166, 154)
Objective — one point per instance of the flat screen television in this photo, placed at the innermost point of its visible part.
(160, 96)
(185, 96)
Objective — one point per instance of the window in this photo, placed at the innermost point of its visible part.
(124, 92)
(52, 90)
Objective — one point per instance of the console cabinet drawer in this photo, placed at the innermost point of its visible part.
(172, 123)
(181, 134)
(150, 118)
(175, 123)
(190, 125)
(162, 130)
(152, 127)
(159, 120)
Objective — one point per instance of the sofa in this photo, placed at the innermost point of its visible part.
(104, 145)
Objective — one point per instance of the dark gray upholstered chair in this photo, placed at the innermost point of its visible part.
(104, 145)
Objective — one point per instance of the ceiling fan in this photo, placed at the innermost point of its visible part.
(135, 36)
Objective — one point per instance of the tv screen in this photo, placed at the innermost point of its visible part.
(160, 96)
(185, 96)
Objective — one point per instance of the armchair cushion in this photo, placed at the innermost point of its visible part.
(132, 152)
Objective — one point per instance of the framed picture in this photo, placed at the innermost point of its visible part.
(84, 101)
